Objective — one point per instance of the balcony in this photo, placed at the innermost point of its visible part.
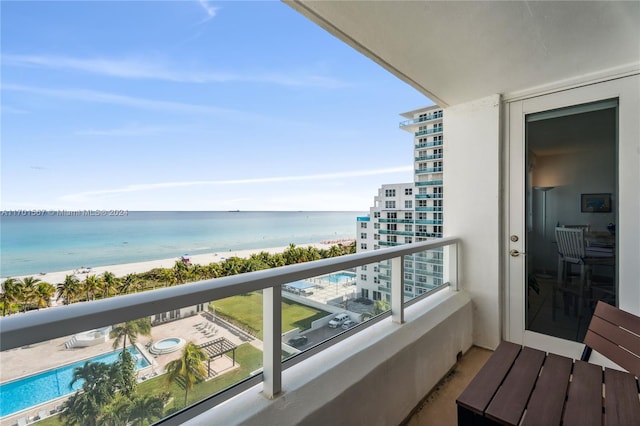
(428, 157)
(301, 376)
(428, 170)
(394, 232)
(429, 182)
(420, 119)
(381, 220)
(428, 144)
(427, 196)
(429, 131)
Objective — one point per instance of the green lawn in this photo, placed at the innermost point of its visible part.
(246, 310)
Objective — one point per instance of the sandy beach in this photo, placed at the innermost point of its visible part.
(138, 267)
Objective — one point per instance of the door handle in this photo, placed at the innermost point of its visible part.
(516, 253)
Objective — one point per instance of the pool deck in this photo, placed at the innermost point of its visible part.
(32, 359)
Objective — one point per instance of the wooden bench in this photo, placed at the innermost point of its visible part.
(522, 385)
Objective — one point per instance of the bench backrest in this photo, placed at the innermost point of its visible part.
(615, 334)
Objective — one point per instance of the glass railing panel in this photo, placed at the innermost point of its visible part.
(424, 276)
(230, 331)
(86, 377)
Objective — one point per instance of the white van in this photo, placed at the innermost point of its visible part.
(338, 320)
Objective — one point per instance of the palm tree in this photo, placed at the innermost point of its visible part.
(116, 413)
(146, 407)
(380, 306)
(127, 375)
(69, 289)
(10, 293)
(181, 271)
(232, 266)
(98, 390)
(127, 284)
(188, 369)
(43, 294)
(130, 329)
(27, 292)
(91, 286)
(109, 284)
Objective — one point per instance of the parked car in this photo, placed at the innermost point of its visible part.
(338, 320)
(297, 342)
(348, 324)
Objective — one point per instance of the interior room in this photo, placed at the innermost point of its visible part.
(572, 163)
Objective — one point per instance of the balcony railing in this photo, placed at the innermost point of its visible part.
(428, 144)
(429, 182)
(421, 119)
(428, 209)
(429, 131)
(428, 157)
(429, 170)
(394, 232)
(31, 328)
(381, 220)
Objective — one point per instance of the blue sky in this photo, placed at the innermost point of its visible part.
(192, 105)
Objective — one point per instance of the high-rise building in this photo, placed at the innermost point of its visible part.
(408, 212)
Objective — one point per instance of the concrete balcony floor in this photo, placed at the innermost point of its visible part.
(439, 407)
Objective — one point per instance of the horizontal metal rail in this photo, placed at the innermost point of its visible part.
(33, 327)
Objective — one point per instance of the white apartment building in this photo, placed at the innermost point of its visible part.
(404, 213)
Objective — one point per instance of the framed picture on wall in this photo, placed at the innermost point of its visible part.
(595, 203)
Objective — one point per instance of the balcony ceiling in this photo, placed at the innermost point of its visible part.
(459, 51)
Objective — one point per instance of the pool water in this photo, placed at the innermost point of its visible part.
(340, 277)
(33, 390)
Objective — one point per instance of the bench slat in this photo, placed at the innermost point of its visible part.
(511, 399)
(623, 358)
(484, 385)
(614, 333)
(547, 401)
(621, 406)
(584, 398)
(618, 316)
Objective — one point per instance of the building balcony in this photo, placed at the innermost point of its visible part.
(429, 131)
(428, 170)
(428, 157)
(390, 243)
(381, 220)
(429, 183)
(428, 209)
(429, 234)
(428, 144)
(418, 120)
(434, 178)
(428, 222)
(394, 232)
(427, 196)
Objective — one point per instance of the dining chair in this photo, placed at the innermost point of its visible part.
(572, 251)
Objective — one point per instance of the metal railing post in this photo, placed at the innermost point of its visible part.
(451, 266)
(397, 289)
(272, 340)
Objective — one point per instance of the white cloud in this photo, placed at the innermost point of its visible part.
(92, 195)
(111, 98)
(154, 69)
(209, 10)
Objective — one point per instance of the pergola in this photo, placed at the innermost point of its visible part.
(217, 348)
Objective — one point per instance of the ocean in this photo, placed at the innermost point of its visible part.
(41, 242)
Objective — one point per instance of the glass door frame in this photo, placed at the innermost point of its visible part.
(514, 183)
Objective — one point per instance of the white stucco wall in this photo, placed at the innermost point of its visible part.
(472, 207)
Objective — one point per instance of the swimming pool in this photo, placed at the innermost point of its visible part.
(33, 390)
(339, 277)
